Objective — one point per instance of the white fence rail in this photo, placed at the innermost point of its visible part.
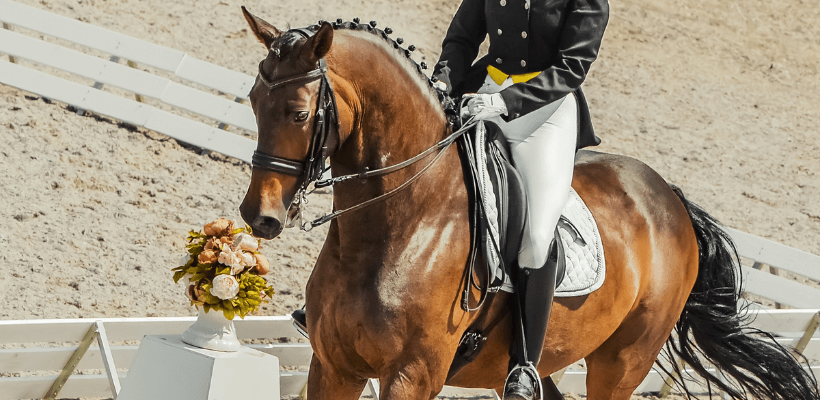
(127, 47)
(181, 96)
(48, 354)
(780, 258)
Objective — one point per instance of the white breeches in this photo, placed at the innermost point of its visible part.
(543, 150)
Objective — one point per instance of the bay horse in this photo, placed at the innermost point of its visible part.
(383, 300)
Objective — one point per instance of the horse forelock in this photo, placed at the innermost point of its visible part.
(285, 43)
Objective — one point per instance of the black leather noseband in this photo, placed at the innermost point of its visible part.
(278, 164)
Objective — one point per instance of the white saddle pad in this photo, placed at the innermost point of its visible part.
(586, 268)
(584, 252)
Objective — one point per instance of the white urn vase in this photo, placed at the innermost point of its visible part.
(212, 331)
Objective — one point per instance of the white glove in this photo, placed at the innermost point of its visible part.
(485, 106)
(440, 85)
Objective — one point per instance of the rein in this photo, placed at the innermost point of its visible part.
(440, 146)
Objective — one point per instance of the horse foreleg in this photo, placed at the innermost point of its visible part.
(324, 383)
(413, 380)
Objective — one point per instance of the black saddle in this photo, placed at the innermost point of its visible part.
(510, 195)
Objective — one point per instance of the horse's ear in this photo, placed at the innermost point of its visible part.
(265, 32)
(319, 44)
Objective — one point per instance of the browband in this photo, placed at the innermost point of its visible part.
(315, 74)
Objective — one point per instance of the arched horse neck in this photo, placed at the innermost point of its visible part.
(394, 114)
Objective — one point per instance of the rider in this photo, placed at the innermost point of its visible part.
(530, 86)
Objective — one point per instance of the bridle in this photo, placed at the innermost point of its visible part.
(327, 114)
(312, 168)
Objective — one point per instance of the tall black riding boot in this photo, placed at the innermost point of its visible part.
(535, 289)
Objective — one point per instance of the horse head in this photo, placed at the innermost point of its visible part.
(286, 103)
(317, 88)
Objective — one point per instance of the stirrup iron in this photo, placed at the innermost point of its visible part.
(530, 370)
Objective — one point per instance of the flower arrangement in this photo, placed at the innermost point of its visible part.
(223, 270)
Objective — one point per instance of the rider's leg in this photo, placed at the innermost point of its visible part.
(545, 160)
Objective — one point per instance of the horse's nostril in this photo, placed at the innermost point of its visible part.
(272, 223)
(269, 226)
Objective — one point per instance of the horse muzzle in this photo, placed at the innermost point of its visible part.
(266, 222)
(266, 227)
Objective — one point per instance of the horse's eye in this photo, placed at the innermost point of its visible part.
(302, 116)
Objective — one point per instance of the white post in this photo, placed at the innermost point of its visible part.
(99, 85)
(108, 359)
(167, 368)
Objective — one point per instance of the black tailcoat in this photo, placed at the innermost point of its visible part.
(558, 38)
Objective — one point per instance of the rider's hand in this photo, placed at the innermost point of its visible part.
(484, 106)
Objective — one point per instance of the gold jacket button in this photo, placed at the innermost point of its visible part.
(499, 32)
(503, 3)
(524, 35)
(498, 61)
(523, 63)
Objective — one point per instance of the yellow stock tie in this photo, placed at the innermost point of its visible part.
(499, 76)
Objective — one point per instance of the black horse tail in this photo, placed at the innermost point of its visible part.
(712, 331)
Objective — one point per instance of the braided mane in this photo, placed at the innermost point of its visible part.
(285, 43)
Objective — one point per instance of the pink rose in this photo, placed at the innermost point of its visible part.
(220, 227)
(206, 257)
(262, 265)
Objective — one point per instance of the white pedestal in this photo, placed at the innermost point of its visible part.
(167, 368)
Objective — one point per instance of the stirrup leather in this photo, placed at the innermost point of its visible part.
(530, 370)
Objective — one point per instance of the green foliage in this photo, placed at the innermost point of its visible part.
(178, 275)
(253, 289)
